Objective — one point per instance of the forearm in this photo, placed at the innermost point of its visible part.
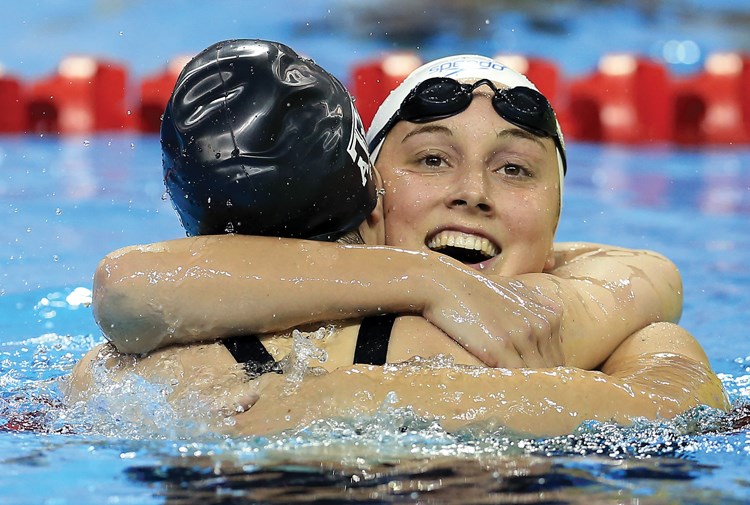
(657, 372)
(204, 288)
(534, 402)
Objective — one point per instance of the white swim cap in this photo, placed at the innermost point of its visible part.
(460, 67)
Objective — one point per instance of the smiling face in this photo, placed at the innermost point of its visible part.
(474, 187)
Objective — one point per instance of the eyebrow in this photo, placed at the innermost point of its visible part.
(428, 128)
(522, 134)
(513, 132)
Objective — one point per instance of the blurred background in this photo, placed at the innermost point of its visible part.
(628, 71)
(147, 34)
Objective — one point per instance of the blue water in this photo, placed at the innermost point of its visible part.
(67, 202)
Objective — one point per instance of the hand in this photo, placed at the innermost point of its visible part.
(503, 321)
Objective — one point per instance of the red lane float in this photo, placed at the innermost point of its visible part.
(627, 100)
(85, 95)
(12, 105)
(713, 107)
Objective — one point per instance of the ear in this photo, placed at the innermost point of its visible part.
(373, 228)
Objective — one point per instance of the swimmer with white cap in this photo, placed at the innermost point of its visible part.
(275, 284)
(479, 120)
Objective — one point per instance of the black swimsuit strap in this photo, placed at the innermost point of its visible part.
(248, 350)
(372, 340)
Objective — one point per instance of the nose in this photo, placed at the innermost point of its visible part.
(470, 190)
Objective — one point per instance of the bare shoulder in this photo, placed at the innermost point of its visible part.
(667, 338)
(667, 360)
(174, 365)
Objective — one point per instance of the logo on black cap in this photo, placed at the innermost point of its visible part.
(357, 148)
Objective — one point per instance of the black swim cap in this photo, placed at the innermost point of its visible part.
(260, 141)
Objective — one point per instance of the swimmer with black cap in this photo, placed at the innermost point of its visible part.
(258, 140)
(231, 158)
(213, 267)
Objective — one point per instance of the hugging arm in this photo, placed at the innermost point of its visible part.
(656, 373)
(203, 288)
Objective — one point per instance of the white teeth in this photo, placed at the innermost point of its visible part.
(464, 241)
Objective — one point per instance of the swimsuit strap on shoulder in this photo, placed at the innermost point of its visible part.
(372, 340)
(248, 350)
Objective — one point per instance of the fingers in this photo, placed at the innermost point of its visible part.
(529, 352)
(528, 340)
(538, 338)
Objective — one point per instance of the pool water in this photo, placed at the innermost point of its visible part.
(66, 202)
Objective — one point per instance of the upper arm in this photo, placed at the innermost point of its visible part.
(211, 287)
(124, 304)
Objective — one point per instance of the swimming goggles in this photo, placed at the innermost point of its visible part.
(442, 97)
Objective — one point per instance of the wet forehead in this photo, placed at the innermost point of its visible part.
(475, 130)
